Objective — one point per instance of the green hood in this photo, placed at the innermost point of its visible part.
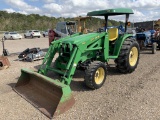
(82, 38)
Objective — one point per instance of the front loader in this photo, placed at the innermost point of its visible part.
(89, 52)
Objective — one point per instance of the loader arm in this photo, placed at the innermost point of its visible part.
(71, 53)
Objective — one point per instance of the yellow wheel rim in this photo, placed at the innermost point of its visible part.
(133, 56)
(99, 75)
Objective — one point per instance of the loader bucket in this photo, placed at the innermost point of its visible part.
(50, 96)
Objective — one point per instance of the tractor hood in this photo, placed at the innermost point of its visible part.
(83, 38)
(143, 35)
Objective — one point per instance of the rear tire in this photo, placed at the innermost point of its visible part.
(128, 58)
(43, 35)
(95, 75)
(154, 47)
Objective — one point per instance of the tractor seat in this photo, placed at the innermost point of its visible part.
(113, 34)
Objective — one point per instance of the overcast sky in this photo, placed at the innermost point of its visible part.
(144, 10)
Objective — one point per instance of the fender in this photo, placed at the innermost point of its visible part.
(119, 43)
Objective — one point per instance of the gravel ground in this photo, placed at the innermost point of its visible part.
(132, 96)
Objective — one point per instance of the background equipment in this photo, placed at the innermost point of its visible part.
(31, 54)
(146, 39)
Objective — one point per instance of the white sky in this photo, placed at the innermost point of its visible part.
(144, 10)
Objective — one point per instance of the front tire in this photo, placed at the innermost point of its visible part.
(95, 75)
(128, 58)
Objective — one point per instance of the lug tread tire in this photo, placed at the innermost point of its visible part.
(89, 74)
(122, 62)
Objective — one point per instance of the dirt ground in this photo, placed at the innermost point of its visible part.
(134, 96)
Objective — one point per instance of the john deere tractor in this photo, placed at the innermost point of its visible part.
(89, 52)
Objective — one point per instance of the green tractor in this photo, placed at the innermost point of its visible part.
(90, 52)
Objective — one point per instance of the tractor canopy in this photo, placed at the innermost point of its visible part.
(111, 12)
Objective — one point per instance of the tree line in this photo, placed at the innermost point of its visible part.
(20, 22)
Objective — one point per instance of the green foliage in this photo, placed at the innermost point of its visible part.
(109, 23)
(17, 22)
